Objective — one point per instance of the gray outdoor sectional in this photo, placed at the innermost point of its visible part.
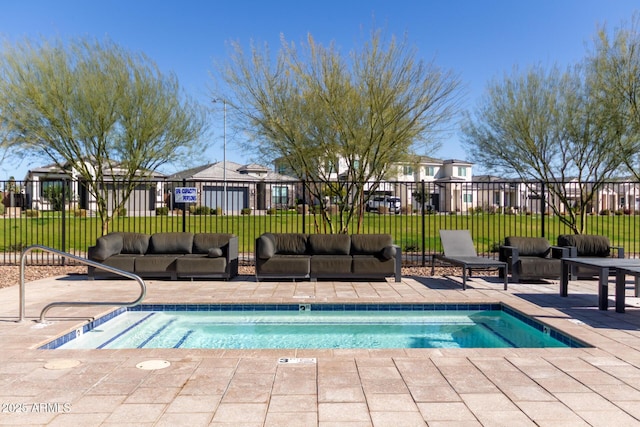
(327, 256)
(172, 254)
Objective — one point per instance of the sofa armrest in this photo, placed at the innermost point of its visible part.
(398, 271)
(510, 254)
(617, 251)
(562, 252)
(232, 256)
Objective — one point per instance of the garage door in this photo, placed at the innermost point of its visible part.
(237, 197)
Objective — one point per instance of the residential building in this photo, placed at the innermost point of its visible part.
(232, 186)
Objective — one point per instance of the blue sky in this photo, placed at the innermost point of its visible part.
(477, 39)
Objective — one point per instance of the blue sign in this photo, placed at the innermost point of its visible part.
(186, 195)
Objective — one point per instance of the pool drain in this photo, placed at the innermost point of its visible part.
(152, 365)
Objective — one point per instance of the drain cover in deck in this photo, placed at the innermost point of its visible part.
(152, 365)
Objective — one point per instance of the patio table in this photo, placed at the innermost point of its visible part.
(621, 276)
(602, 267)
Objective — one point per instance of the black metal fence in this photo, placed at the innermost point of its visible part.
(63, 215)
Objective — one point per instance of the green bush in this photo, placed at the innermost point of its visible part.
(216, 211)
(271, 211)
(162, 211)
(122, 211)
(605, 212)
(245, 211)
(199, 210)
(31, 213)
(80, 213)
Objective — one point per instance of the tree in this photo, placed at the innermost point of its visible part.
(614, 66)
(318, 111)
(546, 126)
(110, 115)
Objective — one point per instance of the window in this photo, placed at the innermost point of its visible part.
(467, 198)
(407, 170)
(496, 199)
(430, 171)
(462, 171)
(279, 195)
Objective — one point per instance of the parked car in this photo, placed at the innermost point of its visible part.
(391, 203)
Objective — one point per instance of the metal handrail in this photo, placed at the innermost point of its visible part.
(143, 286)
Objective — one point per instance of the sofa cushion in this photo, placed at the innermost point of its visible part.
(369, 244)
(587, 245)
(291, 243)
(214, 253)
(106, 246)
(329, 244)
(284, 265)
(266, 246)
(155, 263)
(135, 243)
(529, 246)
(539, 267)
(202, 242)
(171, 243)
(200, 265)
(330, 265)
(371, 265)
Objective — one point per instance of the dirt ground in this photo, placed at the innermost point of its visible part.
(10, 274)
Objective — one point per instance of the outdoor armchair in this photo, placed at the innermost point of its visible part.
(589, 245)
(532, 258)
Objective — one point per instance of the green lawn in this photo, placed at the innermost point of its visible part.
(488, 230)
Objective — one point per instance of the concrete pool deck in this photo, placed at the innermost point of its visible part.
(598, 386)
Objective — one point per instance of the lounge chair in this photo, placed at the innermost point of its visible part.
(458, 250)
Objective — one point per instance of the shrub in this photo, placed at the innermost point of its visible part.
(162, 211)
(216, 211)
(383, 210)
(605, 212)
(302, 209)
(619, 212)
(1, 209)
(122, 211)
(80, 213)
(245, 211)
(271, 211)
(31, 213)
(199, 210)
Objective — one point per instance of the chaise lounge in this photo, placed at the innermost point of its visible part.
(458, 250)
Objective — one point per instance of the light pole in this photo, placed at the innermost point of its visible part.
(224, 155)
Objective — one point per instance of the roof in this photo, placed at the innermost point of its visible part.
(234, 172)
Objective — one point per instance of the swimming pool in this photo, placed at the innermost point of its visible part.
(224, 326)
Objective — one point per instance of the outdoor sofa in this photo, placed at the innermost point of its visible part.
(327, 256)
(173, 254)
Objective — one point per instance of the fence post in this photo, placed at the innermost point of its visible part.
(422, 197)
(544, 209)
(63, 241)
(184, 209)
(304, 206)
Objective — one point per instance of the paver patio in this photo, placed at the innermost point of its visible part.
(597, 386)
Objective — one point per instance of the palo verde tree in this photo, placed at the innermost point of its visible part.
(327, 115)
(546, 127)
(614, 72)
(108, 114)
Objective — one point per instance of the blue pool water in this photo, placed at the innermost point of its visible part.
(315, 326)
